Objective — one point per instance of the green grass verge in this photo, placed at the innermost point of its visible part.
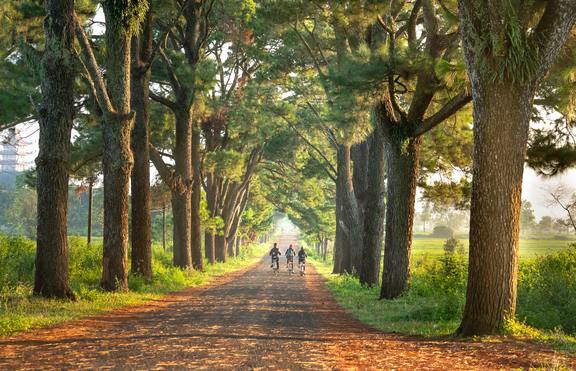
(403, 315)
(425, 310)
(20, 311)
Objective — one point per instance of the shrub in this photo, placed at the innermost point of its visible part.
(562, 237)
(547, 291)
(452, 246)
(17, 255)
(442, 231)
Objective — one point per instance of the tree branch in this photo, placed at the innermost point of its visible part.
(450, 108)
(164, 101)
(169, 176)
(551, 33)
(94, 72)
(316, 149)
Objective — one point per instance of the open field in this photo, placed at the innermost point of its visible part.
(528, 248)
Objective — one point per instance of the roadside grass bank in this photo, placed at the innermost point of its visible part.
(433, 305)
(20, 311)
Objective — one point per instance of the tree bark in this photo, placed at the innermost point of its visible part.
(55, 118)
(375, 211)
(196, 238)
(182, 199)
(360, 155)
(402, 156)
(352, 249)
(502, 107)
(141, 218)
(163, 226)
(209, 247)
(221, 248)
(209, 241)
(90, 203)
(501, 124)
(238, 245)
(340, 238)
(117, 158)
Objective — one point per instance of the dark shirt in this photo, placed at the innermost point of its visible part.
(274, 253)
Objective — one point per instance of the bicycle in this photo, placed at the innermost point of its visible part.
(302, 268)
(275, 266)
(290, 265)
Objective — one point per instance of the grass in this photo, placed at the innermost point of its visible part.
(20, 311)
(433, 306)
(410, 314)
(528, 248)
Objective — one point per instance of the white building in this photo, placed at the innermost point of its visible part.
(14, 153)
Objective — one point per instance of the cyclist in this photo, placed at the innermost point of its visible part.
(302, 259)
(275, 255)
(290, 255)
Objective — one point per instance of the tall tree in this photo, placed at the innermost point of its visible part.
(509, 47)
(140, 181)
(405, 120)
(113, 95)
(185, 76)
(55, 118)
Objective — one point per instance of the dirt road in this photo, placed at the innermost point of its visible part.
(249, 320)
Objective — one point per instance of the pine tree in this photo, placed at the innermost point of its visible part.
(55, 118)
(509, 47)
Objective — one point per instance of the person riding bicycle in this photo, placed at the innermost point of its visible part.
(289, 255)
(302, 260)
(302, 255)
(275, 254)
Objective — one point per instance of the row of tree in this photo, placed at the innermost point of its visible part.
(379, 94)
(330, 111)
(194, 59)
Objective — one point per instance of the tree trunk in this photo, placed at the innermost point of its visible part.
(220, 248)
(375, 211)
(196, 238)
(236, 220)
(340, 239)
(501, 124)
(90, 203)
(238, 245)
(181, 229)
(209, 239)
(402, 156)
(182, 199)
(163, 226)
(352, 250)
(55, 118)
(209, 247)
(117, 158)
(230, 246)
(141, 218)
(360, 155)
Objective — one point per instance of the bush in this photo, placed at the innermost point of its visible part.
(17, 255)
(547, 291)
(443, 282)
(442, 231)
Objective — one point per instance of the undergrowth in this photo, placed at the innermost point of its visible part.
(433, 306)
(20, 311)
